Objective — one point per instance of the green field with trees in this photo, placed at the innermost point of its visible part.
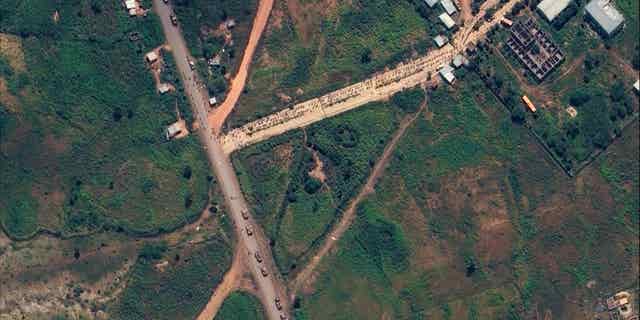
(240, 306)
(82, 145)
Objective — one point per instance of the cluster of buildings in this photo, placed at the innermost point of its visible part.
(447, 72)
(602, 13)
(534, 48)
(449, 10)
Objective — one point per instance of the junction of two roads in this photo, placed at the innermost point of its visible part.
(218, 146)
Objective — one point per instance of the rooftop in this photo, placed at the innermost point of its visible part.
(440, 40)
(605, 15)
(431, 3)
(550, 9)
(447, 73)
(447, 20)
(448, 6)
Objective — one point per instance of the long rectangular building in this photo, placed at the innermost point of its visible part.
(550, 9)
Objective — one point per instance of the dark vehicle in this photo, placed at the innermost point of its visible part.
(278, 305)
(174, 19)
(258, 257)
(264, 272)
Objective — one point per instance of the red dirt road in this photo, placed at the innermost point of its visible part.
(217, 118)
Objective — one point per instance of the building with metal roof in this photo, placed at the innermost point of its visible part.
(605, 15)
(447, 20)
(550, 9)
(458, 60)
(440, 40)
(448, 6)
(637, 86)
(447, 74)
(431, 3)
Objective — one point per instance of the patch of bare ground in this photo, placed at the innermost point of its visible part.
(11, 48)
(307, 15)
(318, 172)
(6, 98)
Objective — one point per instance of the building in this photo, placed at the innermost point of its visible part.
(529, 104)
(173, 130)
(534, 48)
(637, 86)
(447, 74)
(132, 7)
(458, 60)
(164, 88)
(440, 40)
(447, 20)
(151, 57)
(619, 306)
(605, 16)
(506, 22)
(550, 9)
(431, 3)
(213, 101)
(448, 6)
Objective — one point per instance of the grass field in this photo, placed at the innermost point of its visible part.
(472, 221)
(240, 306)
(296, 206)
(310, 48)
(81, 126)
(178, 290)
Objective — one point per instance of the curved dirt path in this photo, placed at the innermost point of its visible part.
(304, 278)
(230, 283)
(217, 118)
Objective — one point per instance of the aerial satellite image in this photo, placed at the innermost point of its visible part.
(319, 160)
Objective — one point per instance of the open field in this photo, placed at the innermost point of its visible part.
(312, 48)
(81, 126)
(240, 306)
(473, 221)
(300, 181)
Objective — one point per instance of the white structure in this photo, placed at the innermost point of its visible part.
(448, 6)
(131, 6)
(550, 9)
(447, 74)
(458, 60)
(605, 15)
(637, 86)
(151, 57)
(440, 40)
(164, 88)
(173, 130)
(447, 20)
(431, 3)
(213, 101)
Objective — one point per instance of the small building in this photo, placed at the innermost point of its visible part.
(151, 57)
(230, 23)
(431, 3)
(448, 6)
(213, 101)
(447, 20)
(173, 130)
(506, 22)
(605, 16)
(529, 104)
(550, 9)
(447, 74)
(440, 40)
(572, 111)
(636, 86)
(131, 6)
(458, 60)
(164, 88)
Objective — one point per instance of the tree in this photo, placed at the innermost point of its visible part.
(617, 91)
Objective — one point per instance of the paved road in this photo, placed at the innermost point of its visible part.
(271, 286)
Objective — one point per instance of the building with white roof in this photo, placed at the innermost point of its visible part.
(431, 3)
(164, 88)
(603, 13)
(448, 6)
(447, 74)
(637, 86)
(151, 57)
(213, 101)
(458, 60)
(440, 40)
(550, 9)
(447, 20)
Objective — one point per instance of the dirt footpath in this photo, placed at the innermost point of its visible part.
(217, 118)
(229, 283)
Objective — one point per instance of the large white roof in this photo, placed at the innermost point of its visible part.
(448, 6)
(447, 20)
(605, 14)
(552, 8)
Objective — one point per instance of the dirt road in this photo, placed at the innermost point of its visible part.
(303, 278)
(217, 118)
(271, 286)
(229, 283)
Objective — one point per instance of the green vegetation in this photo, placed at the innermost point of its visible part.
(178, 290)
(200, 22)
(82, 144)
(240, 306)
(331, 47)
(296, 207)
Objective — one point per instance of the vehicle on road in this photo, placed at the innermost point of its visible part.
(249, 230)
(192, 64)
(258, 257)
(278, 304)
(264, 272)
(245, 214)
(283, 317)
(165, 1)
(174, 19)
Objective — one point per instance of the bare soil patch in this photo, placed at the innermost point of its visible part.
(11, 48)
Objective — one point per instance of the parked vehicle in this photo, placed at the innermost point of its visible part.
(264, 272)
(278, 304)
(245, 214)
(258, 257)
(249, 230)
(174, 19)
